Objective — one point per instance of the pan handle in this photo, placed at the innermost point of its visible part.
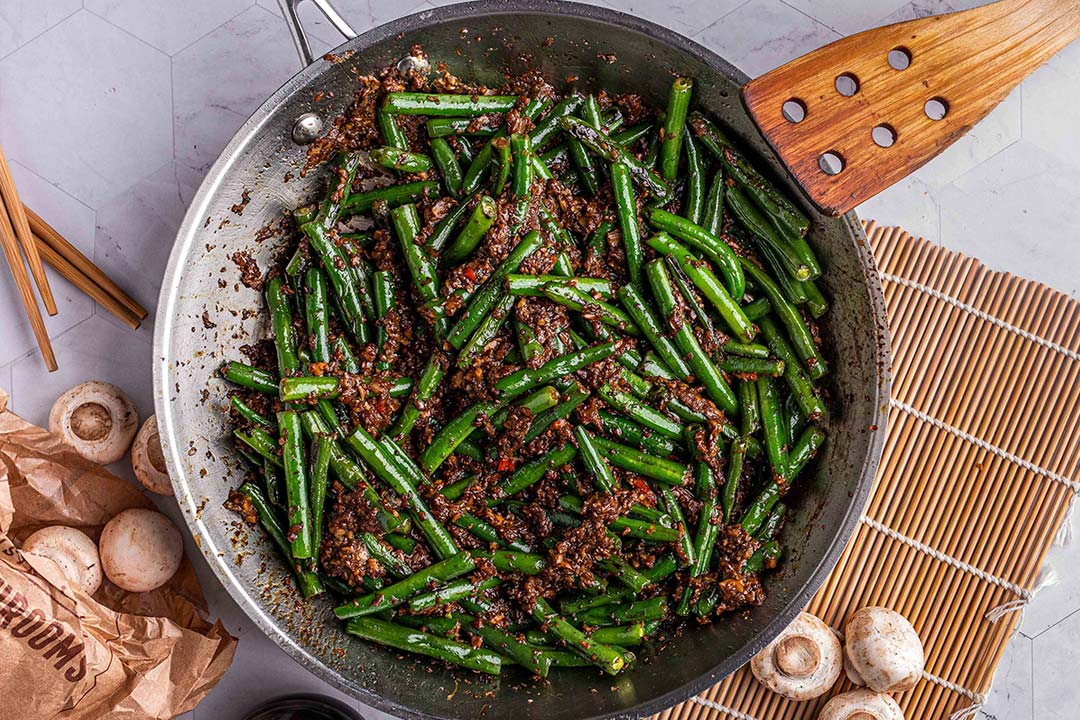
(296, 28)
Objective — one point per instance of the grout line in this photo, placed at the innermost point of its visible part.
(814, 20)
(726, 15)
(126, 32)
(55, 25)
(220, 25)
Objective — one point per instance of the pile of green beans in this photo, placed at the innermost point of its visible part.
(501, 434)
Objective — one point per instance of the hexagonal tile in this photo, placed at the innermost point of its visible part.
(222, 78)
(847, 18)
(92, 350)
(922, 8)
(22, 20)
(1046, 117)
(1018, 211)
(87, 106)
(361, 15)
(74, 221)
(1013, 682)
(738, 37)
(1055, 692)
(136, 229)
(168, 26)
(1055, 602)
(687, 17)
(5, 378)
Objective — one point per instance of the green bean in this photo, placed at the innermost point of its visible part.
(395, 158)
(626, 573)
(406, 222)
(521, 152)
(617, 154)
(445, 126)
(606, 657)
(629, 225)
(321, 450)
(629, 431)
(296, 484)
(392, 133)
(804, 449)
(631, 135)
(500, 152)
(703, 278)
(749, 415)
(594, 462)
(303, 387)
(816, 303)
(532, 285)
(626, 613)
(451, 592)
(802, 388)
(487, 532)
(644, 318)
(250, 415)
(754, 350)
(584, 164)
(399, 592)
(433, 646)
(480, 220)
(706, 373)
(394, 565)
(707, 601)
(382, 285)
(490, 292)
(453, 434)
(526, 379)
(446, 105)
(387, 470)
(284, 333)
(576, 395)
(486, 332)
(628, 458)
(547, 128)
(694, 207)
(773, 422)
(640, 412)
(341, 279)
(264, 444)
(737, 453)
(531, 472)
(753, 220)
(316, 316)
(686, 541)
(791, 221)
(751, 366)
(761, 557)
(250, 377)
(514, 561)
(757, 309)
(771, 526)
(799, 333)
(714, 247)
(447, 163)
(404, 543)
(343, 355)
(712, 217)
(675, 127)
(425, 387)
(390, 196)
(307, 580)
(445, 228)
(579, 301)
(524, 654)
(708, 522)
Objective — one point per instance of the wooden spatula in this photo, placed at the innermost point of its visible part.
(857, 116)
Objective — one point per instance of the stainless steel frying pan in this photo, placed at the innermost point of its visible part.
(480, 40)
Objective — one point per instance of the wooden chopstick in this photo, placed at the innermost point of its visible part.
(17, 219)
(22, 282)
(50, 237)
(95, 292)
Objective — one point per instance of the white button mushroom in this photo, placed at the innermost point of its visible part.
(140, 549)
(882, 650)
(97, 419)
(861, 705)
(148, 461)
(73, 552)
(803, 662)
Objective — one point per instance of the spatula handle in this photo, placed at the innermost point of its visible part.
(960, 65)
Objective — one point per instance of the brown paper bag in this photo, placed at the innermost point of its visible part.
(68, 655)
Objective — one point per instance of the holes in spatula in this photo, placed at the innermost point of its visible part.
(899, 58)
(846, 84)
(936, 108)
(884, 135)
(831, 163)
(794, 110)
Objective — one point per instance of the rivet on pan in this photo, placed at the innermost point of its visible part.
(307, 128)
(411, 63)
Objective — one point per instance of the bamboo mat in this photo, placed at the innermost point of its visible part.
(979, 468)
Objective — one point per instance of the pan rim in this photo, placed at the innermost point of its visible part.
(166, 329)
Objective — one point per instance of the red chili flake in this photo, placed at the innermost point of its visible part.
(470, 274)
(505, 464)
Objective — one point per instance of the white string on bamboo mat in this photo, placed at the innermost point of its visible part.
(988, 447)
(722, 708)
(938, 295)
(995, 614)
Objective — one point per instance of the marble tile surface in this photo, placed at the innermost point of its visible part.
(111, 112)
